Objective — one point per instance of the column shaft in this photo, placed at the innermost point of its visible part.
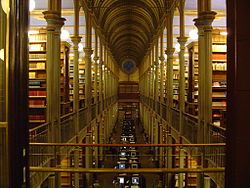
(55, 22)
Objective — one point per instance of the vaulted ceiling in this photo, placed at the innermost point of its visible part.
(129, 25)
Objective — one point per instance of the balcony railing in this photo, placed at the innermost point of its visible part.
(66, 130)
(175, 119)
(190, 128)
(156, 160)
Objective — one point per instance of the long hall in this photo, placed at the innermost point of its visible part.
(124, 94)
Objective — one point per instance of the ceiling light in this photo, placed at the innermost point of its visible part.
(193, 34)
(64, 34)
(32, 5)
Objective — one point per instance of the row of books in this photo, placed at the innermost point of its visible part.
(37, 102)
(36, 83)
(219, 84)
(36, 117)
(37, 47)
(37, 93)
(37, 56)
(33, 75)
(37, 65)
(218, 104)
(219, 48)
(219, 66)
(215, 57)
(36, 38)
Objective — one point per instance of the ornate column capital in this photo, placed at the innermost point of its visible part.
(88, 51)
(204, 21)
(208, 17)
(182, 40)
(170, 51)
(55, 22)
(198, 23)
(96, 58)
(161, 58)
(76, 40)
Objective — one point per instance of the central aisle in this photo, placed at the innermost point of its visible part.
(144, 154)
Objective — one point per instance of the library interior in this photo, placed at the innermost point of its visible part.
(124, 94)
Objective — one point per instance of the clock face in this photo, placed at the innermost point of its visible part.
(128, 66)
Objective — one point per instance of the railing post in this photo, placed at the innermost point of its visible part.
(181, 175)
(169, 159)
(76, 162)
(57, 164)
(51, 181)
(88, 159)
(206, 182)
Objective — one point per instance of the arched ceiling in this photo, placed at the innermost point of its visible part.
(129, 25)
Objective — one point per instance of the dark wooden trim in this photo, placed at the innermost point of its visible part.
(238, 94)
(18, 93)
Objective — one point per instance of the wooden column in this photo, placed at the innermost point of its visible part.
(14, 134)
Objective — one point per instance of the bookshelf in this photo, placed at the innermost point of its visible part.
(219, 73)
(37, 78)
(66, 104)
(176, 80)
(81, 80)
(189, 179)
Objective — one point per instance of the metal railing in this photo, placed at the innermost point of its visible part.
(66, 130)
(164, 112)
(197, 152)
(190, 128)
(150, 159)
(67, 123)
(175, 119)
(39, 134)
(93, 111)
